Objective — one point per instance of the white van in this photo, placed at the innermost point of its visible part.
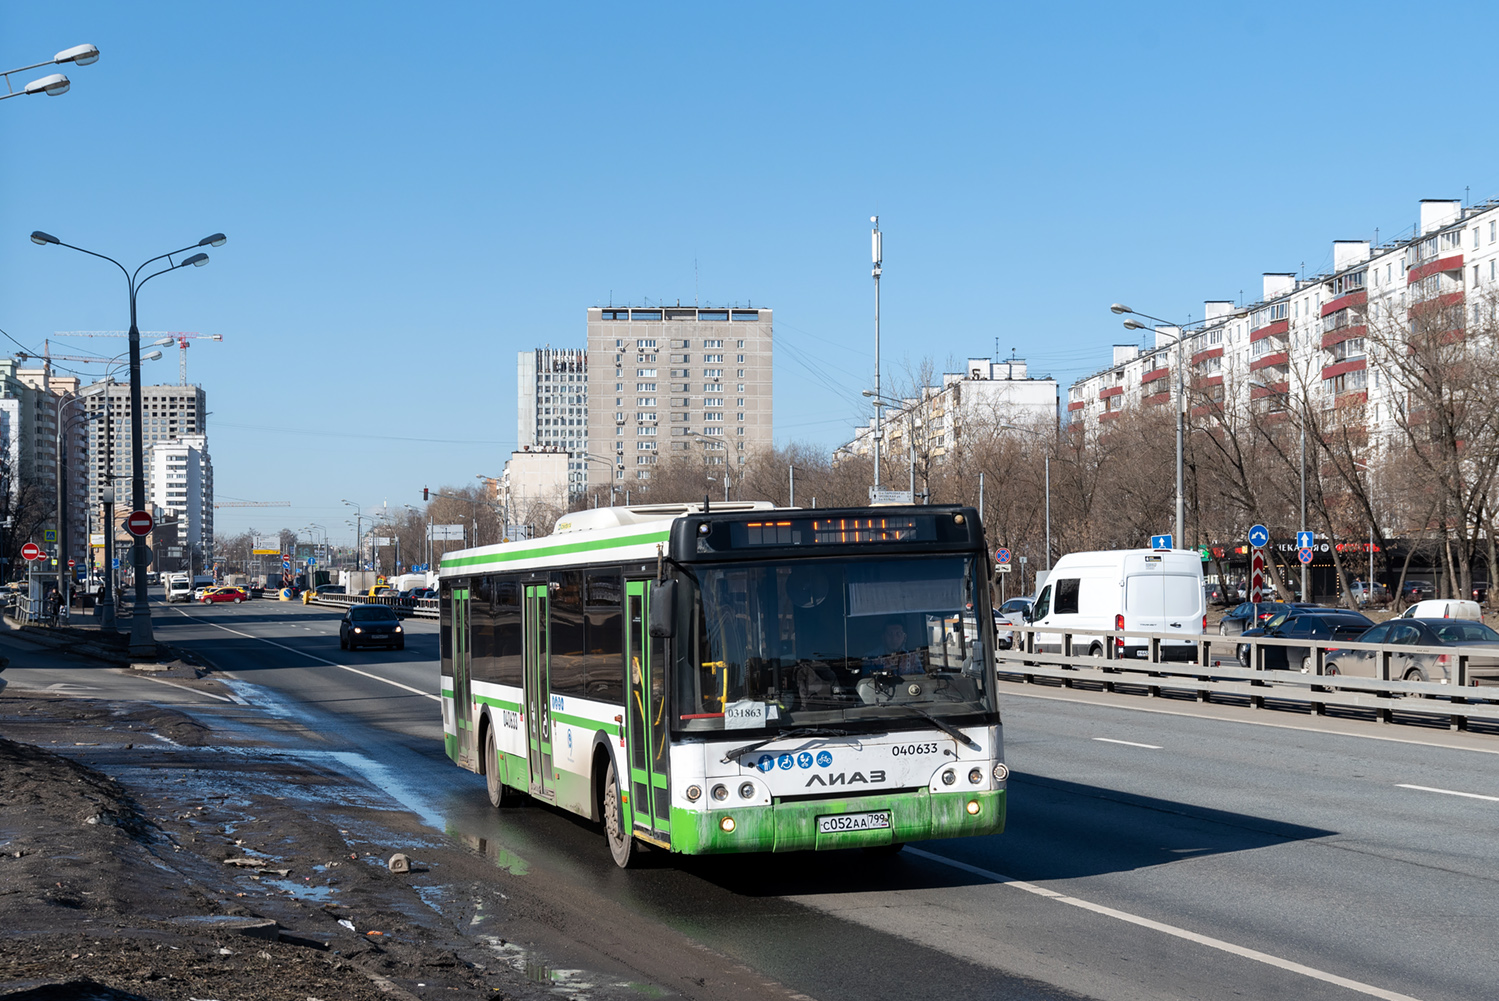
(1444, 608)
(179, 588)
(1141, 590)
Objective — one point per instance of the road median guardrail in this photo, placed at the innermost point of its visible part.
(421, 608)
(1208, 674)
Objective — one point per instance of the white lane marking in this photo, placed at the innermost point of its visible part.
(1129, 743)
(1182, 933)
(1447, 792)
(309, 656)
(1252, 722)
(221, 698)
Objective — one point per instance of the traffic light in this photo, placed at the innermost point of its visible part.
(424, 493)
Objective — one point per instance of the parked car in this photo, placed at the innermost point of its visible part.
(1417, 590)
(1015, 606)
(1480, 591)
(1480, 642)
(215, 595)
(363, 625)
(1236, 619)
(1444, 608)
(1316, 624)
(1363, 592)
(331, 589)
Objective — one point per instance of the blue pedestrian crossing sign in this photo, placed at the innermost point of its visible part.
(1305, 540)
(1160, 542)
(49, 535)
(1259, 536)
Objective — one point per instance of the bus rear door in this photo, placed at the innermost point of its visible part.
(650, 794)
(538, 690)
(463, 708)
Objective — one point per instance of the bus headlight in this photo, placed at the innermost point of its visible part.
(694, 793)
(975, 776)
(973, 808)
(949, 776)
(746, 790)
(1001, 771)
(720, 792)
(726, 825)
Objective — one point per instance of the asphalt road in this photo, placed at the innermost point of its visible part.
(1186, 853)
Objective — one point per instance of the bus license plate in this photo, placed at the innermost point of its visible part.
(854, 822)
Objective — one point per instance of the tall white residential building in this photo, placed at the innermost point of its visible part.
(182, 486)
(984, 395)
(1310, 337)
(552, 406)
(535, 478)
(677, 380)
(167, 414)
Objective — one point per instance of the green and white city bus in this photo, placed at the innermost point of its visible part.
(740, 678)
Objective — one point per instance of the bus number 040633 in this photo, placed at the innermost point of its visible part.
(902, 750)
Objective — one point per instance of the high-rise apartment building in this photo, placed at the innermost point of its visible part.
(552, 406)
(676, 380)
(182, 486)
(1331, 341)
(169, 414)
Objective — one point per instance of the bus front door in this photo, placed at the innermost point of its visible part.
(538, 693)
(650, 798)
(463, 708)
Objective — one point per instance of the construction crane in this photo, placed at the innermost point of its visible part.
(218, 504)
(181, 336)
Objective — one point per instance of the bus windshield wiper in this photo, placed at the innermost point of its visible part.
(947, 728)
(796, 731)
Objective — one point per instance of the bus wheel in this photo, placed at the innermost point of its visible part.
(492, 771)
(621, 842)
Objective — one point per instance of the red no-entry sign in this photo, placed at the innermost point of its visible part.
(32, 551)
(139, 524)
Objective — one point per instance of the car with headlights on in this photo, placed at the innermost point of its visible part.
(371, 625)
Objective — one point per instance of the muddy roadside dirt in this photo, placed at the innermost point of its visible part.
(145, 856)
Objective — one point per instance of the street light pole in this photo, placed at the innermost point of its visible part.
(1180, 540)
(877, 252)
(142, 640)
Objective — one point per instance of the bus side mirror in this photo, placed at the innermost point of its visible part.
(664, 610)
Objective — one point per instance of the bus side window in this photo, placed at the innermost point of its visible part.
(604, 637)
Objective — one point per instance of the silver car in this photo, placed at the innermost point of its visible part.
(1474, 639)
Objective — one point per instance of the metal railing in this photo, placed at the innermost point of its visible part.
(421, 608)
(1214, 670)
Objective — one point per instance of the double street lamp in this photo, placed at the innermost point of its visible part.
(142, 640)
(54, 84)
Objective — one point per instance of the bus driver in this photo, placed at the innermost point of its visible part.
(892, 656)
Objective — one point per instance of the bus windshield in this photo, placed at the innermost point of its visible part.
(829, 641)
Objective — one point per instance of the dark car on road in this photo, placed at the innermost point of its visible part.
(1319, 625)
(371, 625)
(1478, 641)
(1236, 619)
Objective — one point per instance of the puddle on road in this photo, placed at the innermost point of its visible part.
(302, 891)
(575, 983)
(503, 857)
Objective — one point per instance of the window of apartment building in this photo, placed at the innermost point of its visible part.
(739, 431)
(713, 359)
(713, 415)
(645, 401)
(741, 418)
(1475, 237)
(740, 344)
(645, 373)
(645, 446)
(645, 417)
(741, 359)
(713, 344)
(740, 374)
(716, 401)
(648, 342)
(1451, 240)
(712, 373)
(741, 388)
(645, 430)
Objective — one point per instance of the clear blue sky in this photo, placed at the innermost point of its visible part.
(413, 193)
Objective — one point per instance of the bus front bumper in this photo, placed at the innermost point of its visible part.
(916, 815)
